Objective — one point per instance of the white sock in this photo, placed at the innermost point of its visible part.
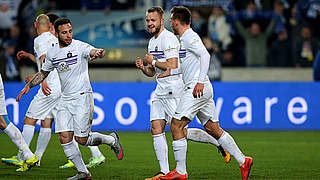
(27, 133)
(180, 154)
(96, 139)
(199, 135)
(73, 154)
(15, 135)
(43, 140)
(228, 144)
(95, 152)
(161, 149)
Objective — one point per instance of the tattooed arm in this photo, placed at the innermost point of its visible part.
(37, 79)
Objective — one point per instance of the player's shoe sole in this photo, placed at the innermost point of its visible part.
(156, 176)
(13, 161)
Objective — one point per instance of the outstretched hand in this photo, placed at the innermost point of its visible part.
(22, 55)
(25, 90)
(100, 53)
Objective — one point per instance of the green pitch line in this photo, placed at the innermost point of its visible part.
(277, 155)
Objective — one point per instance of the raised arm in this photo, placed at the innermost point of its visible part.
(97, 53)
(24, 55)
(37, 79)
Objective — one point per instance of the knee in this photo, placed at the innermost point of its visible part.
(29, 121)
(65, 138)
(81, 140)
(156, 130)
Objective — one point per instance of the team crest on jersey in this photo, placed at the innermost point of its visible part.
(156, 48)
(69, 55)
(63, 67)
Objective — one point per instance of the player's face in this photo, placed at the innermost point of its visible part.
(153, 23)
(65, 34)
(173, 25)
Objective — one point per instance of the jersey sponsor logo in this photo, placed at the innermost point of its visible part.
(63, 67)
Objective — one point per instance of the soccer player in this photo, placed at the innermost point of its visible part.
(13, 132)
(70, 59)
(44, 104)
(164, 46)
(197, 97)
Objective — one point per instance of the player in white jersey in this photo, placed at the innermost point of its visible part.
(15, 135)
(197, 97)
(163, 52)
(44, 104)
(75, 109)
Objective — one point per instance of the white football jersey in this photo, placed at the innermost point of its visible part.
(191, 46)
(71, 63)
(1, 83)
(164, 47)
(42, 44)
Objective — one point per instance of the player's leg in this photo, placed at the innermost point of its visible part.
(15, 135)
(83, 115)
(228, 143)
(72, 152)
(199, 135)
(44, 137)
(97, 157)
(179, 145)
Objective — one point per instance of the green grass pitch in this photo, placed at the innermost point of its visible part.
(277, 155)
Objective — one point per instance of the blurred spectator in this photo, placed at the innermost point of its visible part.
(305, 48)
(316, 67)
(278, 10)
(11, 68)
(280, 51)
(95, 5)
(214, 72)
(122, 4)
(8, 16)
(256, 43)
(198, 24)
(142, 5)
(218, 28)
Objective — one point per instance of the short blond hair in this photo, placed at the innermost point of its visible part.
(43, 20)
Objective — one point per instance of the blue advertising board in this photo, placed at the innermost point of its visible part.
(240, 106)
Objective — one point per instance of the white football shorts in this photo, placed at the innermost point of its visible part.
(203, 107)
(43, 106)
(75, 114)
(163, 108)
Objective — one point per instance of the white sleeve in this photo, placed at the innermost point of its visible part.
(196, 46)
(85, 48)
(47, 65)
(40, 48)
(171, 47)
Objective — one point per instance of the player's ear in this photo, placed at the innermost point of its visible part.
(35, 25)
